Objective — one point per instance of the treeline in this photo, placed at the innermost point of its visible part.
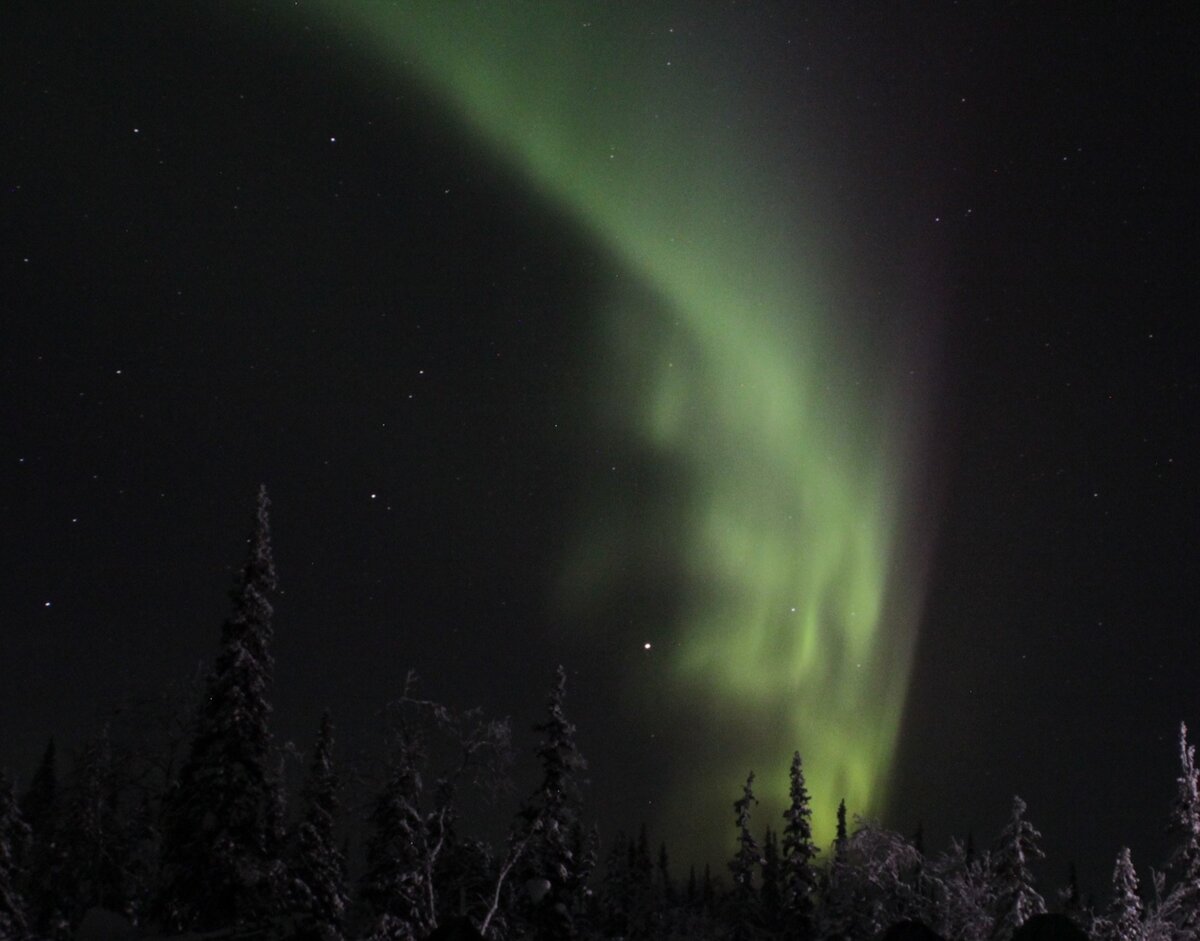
(190, 831)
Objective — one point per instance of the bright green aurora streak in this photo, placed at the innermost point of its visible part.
(799, 602)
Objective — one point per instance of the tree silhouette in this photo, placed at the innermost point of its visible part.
(799, 874)
(318, 878)
(14, 835)
(394, 885)
(558, 852)
(217, 866)
(745, 913)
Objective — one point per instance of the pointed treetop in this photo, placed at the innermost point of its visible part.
(261, 566)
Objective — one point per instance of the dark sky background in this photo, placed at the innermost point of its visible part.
(233, 253)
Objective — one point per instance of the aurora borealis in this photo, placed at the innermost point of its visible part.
(727, 360)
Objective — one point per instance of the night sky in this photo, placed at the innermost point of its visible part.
(812, 376)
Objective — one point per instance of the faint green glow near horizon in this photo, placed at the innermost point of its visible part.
(794, 622)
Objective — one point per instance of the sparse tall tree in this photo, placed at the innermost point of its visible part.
(1016, 898)
(217, 866)
(14, 836)
(745, 913)
(318, 883)
(799, 874)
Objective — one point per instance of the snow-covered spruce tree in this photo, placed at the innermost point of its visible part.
(552, 814)
(94, 840)
(39, 804)
(14, 837)
(217, 868)
(1123, 919)
(1016, 898)
(43, 886)
(799, 874)
(318, 870)
(141, 856)
(394, 885)
(745, 915)
(1185, 895)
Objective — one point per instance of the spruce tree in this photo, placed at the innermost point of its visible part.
(708, 890)
(39, 804)
(616, 887)
(666, 886)
(745, 912)
(14, 837)
(665, 896)
(771, 894)
(553, 812)
(837, 912)
(394, 885)
(45, 885)
(1123, 920)
(799, 874)
(1185, 896)
(643, 902)
(1016, 898)
(318, 879)
(94, 840)
(218, 868)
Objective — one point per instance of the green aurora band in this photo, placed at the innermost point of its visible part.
(798, 608)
